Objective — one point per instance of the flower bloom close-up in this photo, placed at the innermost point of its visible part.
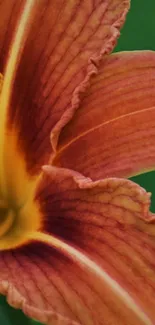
(77, 239)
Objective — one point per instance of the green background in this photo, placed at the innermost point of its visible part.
(137, 34)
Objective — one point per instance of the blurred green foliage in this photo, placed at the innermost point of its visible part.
(137, 34)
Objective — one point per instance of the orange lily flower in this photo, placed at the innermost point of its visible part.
(76, 237)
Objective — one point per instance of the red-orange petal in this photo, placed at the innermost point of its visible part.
(113, 131)
(64, 43)
(10, 11)
(109, 222)
(53, 47)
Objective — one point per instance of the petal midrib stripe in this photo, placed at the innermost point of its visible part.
(99, 126)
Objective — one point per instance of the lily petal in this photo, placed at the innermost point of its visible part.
(10, 11)
(62, 37)
(104, 223)
(113, 131)
(56, 46)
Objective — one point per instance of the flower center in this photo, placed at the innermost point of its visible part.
(16, 224)
(6, 219)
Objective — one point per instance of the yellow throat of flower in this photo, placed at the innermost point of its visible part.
(17, 223)
(19, 212)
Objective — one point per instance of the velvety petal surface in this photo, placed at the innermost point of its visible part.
(61, 46)
(113, 131)
(10, 11)
(106, 222)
